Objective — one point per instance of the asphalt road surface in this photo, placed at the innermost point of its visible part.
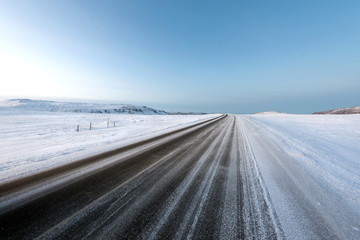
(201, 182)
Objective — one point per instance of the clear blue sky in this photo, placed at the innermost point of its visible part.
(211, 56)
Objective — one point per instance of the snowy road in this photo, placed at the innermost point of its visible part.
(217, 179)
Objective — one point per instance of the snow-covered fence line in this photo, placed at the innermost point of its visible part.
(108, 125)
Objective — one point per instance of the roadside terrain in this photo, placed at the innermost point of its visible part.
(311, 167)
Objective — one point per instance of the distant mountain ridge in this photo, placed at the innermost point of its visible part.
(53, 106)
(352, 110)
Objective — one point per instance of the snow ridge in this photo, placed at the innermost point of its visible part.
(53, 106)
(352, 110)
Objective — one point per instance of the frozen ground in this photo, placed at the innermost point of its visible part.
(320, 154)
(31, 140)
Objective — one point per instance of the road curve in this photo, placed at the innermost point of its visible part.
(197, 183)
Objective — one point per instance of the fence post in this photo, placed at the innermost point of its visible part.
(114, 124)
(108, 123)
(90, 125)
(78, 128)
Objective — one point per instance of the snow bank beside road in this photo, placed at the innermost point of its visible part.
(33, 141)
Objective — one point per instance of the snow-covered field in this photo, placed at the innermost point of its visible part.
(321, 153)
(34, 140)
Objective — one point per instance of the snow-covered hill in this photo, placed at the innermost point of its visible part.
(52, 106)
(352, 110)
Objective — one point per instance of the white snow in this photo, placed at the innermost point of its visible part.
(31, 141)
(326, 146)
(52, 106)
(321, 154)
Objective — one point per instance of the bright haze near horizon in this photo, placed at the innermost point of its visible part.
(204, 56)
